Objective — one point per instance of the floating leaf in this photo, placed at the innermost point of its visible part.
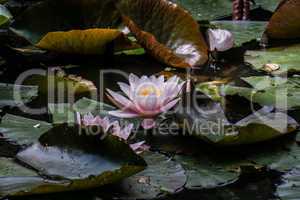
(278, 92)
(270, 5)
(55, 81)
(207, 9)
(286, 57)
(289, 188)
(216, 9)
(162, 176)
(38, 20)
(22, 131)
(211, 124)
(89, 42)
(205, 174)
(16, 95)
(65, 153)
(243, 31)
(65, 113)
(175, 39)
(285, 22)
(18, 180)
(283, 156)
(5, 15)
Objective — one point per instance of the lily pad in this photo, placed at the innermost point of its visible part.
(243, 31)
(162, 176)
(289, 189)
(65, 153)
(22, 131)
(285, 22)
(207, 9)
(278, 92)
(86, 42)
(39, 20)
(205, 174)
(211, 124)
(174, 39)
(18, 180)
(270, 5)
(283, 156)
(5, 15)
(55, 81)
(216, 9)
(66, 113)
(286, 57)
(16, 95)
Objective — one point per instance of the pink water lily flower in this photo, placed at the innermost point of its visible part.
(146, 97)
(113, 128)
(90, 120)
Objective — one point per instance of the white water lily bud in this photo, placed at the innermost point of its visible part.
(220, 39)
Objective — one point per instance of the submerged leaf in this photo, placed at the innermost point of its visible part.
(286, 57)
(90, 41)
(166, 31)
(285, 23)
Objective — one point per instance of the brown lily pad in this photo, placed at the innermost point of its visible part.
(166, 31)
(285, 23)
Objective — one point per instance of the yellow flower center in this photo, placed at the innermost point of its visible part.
(149, 90)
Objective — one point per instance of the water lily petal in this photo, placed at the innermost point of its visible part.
(220, 40)
(123, 114)
(133, 81)
(125, 88)
(123, 101)
(148, 123)
(78, 118)
(169, 105)
(139, 147)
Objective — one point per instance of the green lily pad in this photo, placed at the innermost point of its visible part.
(278, 92)
(289, 189)
(66, 113)
(65, 153)
(214, 9)
(286, 57)
(281, 93)
(162, 176)
(270, 5)
(211, 124)
(174, 40)
(5, 15)
(55, 82)
(18, 180)
(283, 156)
(22, 131)
(204, 174)
(38, 20)
(243, 31)
(207, 9)
(16, 95)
